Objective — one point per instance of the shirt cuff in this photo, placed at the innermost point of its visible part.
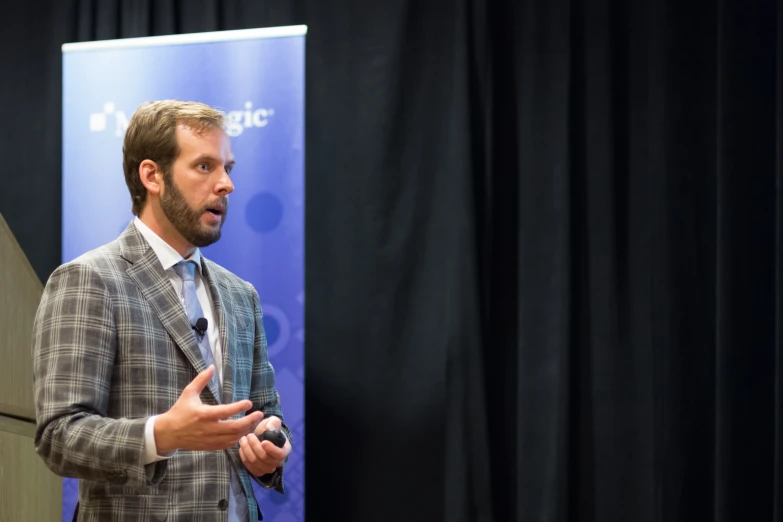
(150, 449)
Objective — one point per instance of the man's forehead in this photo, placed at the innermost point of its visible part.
(196, 130)
(216, 137)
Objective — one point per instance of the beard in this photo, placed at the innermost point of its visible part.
(187, 220)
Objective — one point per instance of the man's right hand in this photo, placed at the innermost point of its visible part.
(192, 425)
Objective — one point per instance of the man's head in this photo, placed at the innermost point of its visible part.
(177, 159)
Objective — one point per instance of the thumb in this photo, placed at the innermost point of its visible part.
(273, 423)
(201, 380)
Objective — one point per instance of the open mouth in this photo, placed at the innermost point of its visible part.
(215, 211)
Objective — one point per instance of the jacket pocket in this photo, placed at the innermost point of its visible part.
(154, 508)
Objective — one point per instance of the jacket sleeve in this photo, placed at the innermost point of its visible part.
(74, 346)
(263, 393)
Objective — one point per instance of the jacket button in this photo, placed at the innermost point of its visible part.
(223, 505)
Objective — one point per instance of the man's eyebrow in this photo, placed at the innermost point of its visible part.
(211, 159)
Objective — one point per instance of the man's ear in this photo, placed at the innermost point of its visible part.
(150, 176)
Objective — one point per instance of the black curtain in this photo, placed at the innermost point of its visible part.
(542, 247)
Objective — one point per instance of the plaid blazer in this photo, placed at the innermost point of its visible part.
(112, 346)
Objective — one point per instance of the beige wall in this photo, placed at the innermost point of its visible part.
(28, 490)
(20, 292)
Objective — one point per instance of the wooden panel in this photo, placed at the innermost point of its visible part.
(17, 427)
(20, 293)
(28, 490)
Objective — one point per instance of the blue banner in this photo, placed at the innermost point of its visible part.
(256, 77)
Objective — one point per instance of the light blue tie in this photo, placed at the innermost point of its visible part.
(186, 271)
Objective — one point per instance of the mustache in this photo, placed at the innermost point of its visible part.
(218, 204)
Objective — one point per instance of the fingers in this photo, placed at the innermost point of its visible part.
(216, 433)
(252, 459)
(246, 452)
(274, 423)
(269, 423)
(273, 453)
(266, 452)
(254, 446)
(242, 456)
(238, 428)
(226, 434)
(226, 411)
(201, 380)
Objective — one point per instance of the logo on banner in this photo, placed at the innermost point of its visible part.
(237, 121)
(99, 121)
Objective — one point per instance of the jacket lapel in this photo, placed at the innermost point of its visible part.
(224, 312)
(147, 272)
(221, 299)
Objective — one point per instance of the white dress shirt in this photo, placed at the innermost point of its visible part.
(169, 257)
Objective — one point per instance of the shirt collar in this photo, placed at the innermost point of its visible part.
(167, 256)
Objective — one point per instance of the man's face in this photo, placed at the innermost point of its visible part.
(195, 196)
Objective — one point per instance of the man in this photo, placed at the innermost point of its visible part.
(147, 356)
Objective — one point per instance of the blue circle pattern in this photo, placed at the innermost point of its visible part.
(272, 329)
(264, 212)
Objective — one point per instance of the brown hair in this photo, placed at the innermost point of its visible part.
(152, 135)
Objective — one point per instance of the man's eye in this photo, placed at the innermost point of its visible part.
(203, 166)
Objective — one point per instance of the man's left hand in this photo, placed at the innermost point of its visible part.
(261, 456)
